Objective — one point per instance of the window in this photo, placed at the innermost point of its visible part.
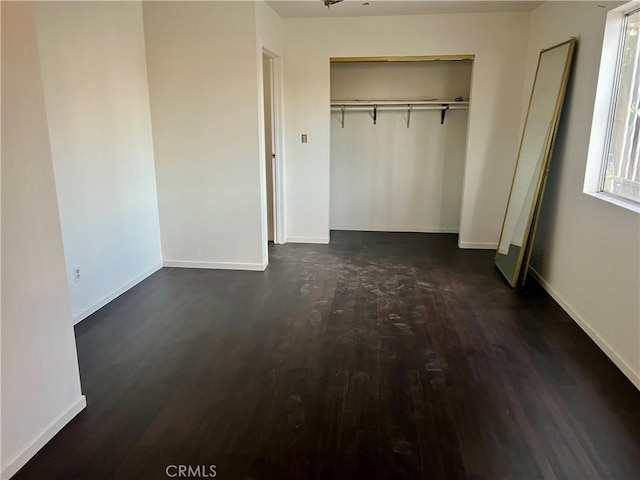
(621, 165)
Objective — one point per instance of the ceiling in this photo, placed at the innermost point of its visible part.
(355, 8)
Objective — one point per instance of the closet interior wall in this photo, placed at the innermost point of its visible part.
(389, 176)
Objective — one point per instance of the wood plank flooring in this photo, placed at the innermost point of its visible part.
(380, 355)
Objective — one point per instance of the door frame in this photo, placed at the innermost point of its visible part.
(277, 131)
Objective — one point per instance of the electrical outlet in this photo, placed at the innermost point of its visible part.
(304, 138)
(76, 274)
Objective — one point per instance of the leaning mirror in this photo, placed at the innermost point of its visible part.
(543, 115)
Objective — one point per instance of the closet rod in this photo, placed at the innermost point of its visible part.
(405, 103)
(402, 108)
(443, 107)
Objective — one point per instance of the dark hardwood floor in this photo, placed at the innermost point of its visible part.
(381, 355)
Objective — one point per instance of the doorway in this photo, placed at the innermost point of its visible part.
(271, 81)
(270, 155)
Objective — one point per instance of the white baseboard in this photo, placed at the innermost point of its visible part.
(479, 245)
(323, 240)
(84, 313)
(588, 329)
(40, 440)
(254, 267)
(351, 228)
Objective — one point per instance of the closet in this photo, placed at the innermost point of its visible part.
(398, 144)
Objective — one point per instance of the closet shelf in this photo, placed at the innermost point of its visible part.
(408, 105)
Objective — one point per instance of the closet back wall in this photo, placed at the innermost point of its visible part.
(387, 177)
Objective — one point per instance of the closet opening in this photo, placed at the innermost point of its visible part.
(398, 142)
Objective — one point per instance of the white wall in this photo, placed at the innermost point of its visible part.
(40, 379)
(389, 177)
(95, 87)
(587, 250)
(203, 81)
(269, 29)
(499, 42)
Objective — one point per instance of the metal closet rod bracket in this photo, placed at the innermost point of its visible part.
(443, 113)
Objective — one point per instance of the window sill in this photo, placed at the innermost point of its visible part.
(615, 200)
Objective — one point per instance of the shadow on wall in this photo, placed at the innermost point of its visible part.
(493, 173)
(455, 146)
